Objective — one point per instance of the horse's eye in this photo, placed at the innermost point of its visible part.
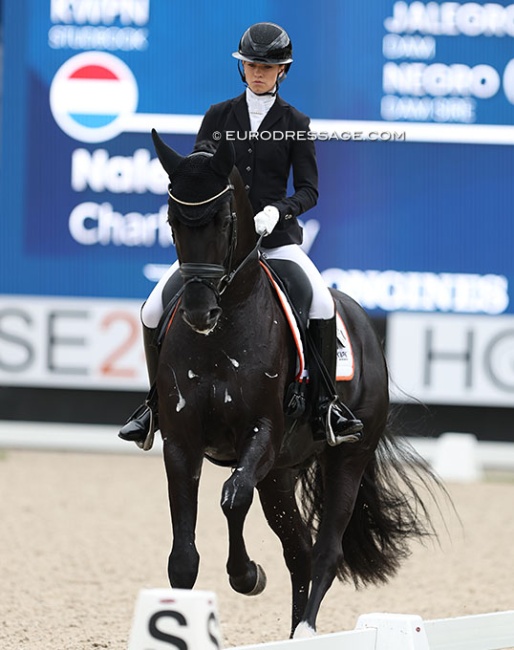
(225, 224)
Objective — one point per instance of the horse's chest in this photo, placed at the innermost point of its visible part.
(213, 382)
(218, 381)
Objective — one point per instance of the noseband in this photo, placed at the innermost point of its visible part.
(211, 275)
(215, 276)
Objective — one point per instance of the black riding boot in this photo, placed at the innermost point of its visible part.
(144, 419)
(332, 420)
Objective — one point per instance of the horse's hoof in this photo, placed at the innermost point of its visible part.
(304, 631)
(240, 583)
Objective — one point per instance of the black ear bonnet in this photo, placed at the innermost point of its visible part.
(195, 182)
(199, 183)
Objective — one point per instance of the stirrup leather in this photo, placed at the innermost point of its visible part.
(295, 402)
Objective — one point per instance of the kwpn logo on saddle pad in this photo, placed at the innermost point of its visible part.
(345, 363)
(90, 95)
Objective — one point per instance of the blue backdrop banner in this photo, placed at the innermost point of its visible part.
(412, 108)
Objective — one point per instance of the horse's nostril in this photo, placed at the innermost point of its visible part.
(201, 320)
(214, 314)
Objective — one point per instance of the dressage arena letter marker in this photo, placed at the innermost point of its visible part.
(396, 631)
(175, 618)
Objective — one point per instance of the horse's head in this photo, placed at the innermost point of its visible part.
(203, 192)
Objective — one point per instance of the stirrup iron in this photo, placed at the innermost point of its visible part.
(147, 443)
(333, 439)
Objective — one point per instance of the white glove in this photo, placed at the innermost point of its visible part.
(266, 220)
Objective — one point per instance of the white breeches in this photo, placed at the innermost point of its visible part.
(153, 308)
(322, 302)
(322, 305)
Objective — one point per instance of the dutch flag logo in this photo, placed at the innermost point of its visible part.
(91, 94)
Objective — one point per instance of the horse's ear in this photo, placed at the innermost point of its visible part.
(224, 159)
(168, 157)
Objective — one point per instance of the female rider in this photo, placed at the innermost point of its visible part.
(269, 137)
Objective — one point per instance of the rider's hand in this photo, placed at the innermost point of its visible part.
(266, 220)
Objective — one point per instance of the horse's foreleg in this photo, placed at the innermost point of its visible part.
(246, 577)
(183, 472)
(277, 495)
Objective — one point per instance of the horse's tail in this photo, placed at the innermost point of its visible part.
(389, 512)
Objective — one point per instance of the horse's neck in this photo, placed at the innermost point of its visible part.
(250, 276)
(247, 283)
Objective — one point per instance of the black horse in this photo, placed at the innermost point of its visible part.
(226, 362)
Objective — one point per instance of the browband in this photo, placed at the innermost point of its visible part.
(227, 189)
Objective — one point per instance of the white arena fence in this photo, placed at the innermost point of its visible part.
(189, 619)
(410, 632)
(456, 457)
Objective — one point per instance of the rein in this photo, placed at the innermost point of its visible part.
(232, 274)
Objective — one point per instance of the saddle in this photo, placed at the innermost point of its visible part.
(294, 294)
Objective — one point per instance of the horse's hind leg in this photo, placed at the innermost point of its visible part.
(183, 481)
(277, 495)
(341, 481)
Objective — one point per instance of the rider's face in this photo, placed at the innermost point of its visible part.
(261, 77)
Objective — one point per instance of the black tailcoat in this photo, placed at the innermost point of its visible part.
(265, 161)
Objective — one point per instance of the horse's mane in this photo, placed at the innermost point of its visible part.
(205, 146)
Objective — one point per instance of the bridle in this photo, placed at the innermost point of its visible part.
(217, 277)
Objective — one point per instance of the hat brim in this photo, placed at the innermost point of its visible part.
(256, 59)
